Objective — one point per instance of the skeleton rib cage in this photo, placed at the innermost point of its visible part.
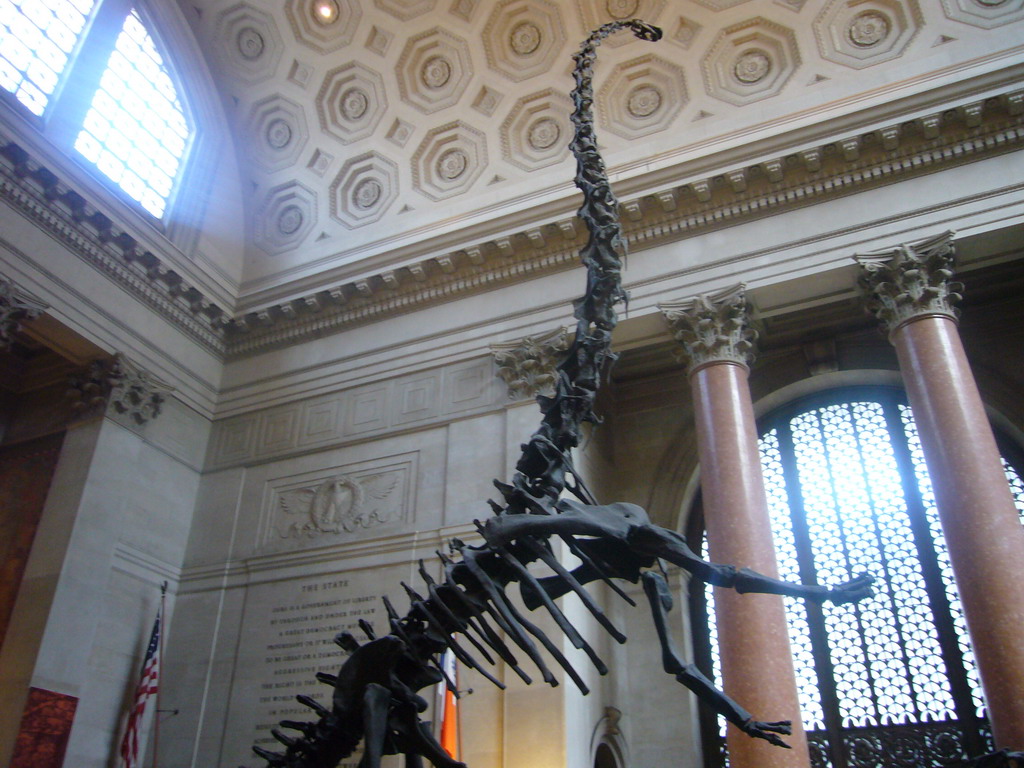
(375, 699)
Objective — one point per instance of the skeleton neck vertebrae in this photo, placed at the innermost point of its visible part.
(375, 699)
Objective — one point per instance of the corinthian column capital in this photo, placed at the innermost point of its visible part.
(16, 306)
(712, 328)
(528, 366)
(121, 388)
(910, 281)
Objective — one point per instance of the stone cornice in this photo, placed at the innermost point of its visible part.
(840, 167)
(843, 166)
(60, 210)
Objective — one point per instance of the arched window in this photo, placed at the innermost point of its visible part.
(93, 74)
(890, 680)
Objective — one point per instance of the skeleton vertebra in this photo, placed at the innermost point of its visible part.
(375, 697)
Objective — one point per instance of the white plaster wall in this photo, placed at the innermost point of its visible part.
(114, 527)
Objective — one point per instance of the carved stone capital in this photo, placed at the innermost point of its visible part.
(528, 366)
(117, 386)
(910, 281)
(712, 328)
(16, 306)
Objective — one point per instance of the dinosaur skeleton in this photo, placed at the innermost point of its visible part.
(468, 611)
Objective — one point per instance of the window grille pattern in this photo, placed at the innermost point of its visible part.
(135, 130)
(891, 680)
(36, 41)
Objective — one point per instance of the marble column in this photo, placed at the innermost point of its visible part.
(757, 663)
(910, 289)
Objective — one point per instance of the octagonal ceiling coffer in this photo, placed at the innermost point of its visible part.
(750, 61)
(859, 33)
(277, 127)
(598, 12)
(364, 189)
(984, 13)
(523, 38)
(351, 102)
(537, 131)
(433, 70)
(448, 160)
(286, 218)
(248, 42)
(642, 96)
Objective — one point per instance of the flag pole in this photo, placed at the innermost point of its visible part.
(159, 685)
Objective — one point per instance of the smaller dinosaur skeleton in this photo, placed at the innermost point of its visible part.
(468, 610)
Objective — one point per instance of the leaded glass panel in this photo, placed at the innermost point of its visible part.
(848, 492)
(135, 130)
(37, 38)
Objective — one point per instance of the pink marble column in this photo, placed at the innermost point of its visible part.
(911, 291)
(757, 663)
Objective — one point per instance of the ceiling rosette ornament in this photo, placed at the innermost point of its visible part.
(984, 13)
(248, 43)
(286, 217)
(277, 127)
(536, 132)
(750, 61)
(642, 96)
(859, 34)
(598, 12)
(523, 38)
(433, 70)
(364, 189)
(448, 160)
(351, 102)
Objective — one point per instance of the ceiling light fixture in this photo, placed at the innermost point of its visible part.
(325, 11)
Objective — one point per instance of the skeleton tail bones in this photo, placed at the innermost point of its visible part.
(374, 695)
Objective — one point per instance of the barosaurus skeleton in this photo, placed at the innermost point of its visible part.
(375, 700)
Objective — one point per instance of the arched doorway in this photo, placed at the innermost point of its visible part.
(891, 680)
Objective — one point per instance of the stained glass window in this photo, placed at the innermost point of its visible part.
(37, 38)
(890, 680)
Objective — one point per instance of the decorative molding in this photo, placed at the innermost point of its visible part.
(340, 503)
(412, 401)
(120, 387)
(750, 61)
(60, 210)
(910, 281)
(773, 184)
(528, 366)
(930, 143)
(713, 328)
(16, 306)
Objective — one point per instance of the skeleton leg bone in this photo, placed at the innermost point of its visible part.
(661, 603)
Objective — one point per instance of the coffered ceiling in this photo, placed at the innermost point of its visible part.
(393, 130)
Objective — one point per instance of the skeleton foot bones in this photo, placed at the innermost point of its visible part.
(374, 695)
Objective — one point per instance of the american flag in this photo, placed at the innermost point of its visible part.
(147, 687)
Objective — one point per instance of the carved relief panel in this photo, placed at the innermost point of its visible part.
(340, 504)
